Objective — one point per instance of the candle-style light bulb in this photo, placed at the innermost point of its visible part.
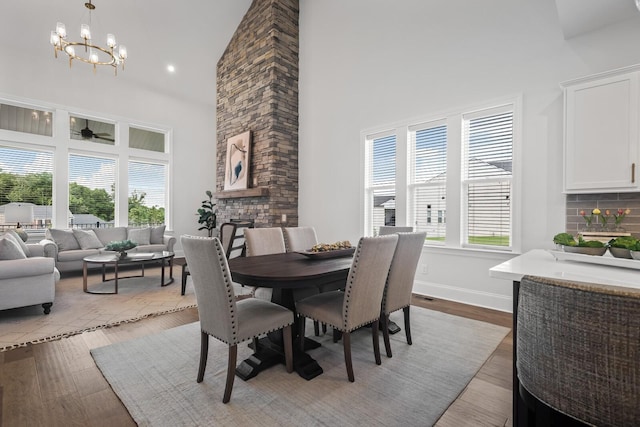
(55, 38)
(111, 41)
(61, 30)
(122, 52)
(85, 32)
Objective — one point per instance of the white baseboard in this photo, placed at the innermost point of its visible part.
(465, 296)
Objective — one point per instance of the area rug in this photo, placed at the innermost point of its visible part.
(155, 377)
(74, 311)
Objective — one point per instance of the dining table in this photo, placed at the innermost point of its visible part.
(292, 276)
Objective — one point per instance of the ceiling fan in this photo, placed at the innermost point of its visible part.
(87, 133)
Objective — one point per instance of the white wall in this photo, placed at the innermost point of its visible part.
(50, 81)
(368, 63)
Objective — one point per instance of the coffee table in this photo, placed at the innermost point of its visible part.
(112, 259)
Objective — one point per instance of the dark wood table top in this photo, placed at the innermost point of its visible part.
(288, 270)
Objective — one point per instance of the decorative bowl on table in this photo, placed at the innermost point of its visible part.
(329, 250)
(585, 250)
(121, 247)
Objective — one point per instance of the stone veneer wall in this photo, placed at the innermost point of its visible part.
(257, 90)
(603, 201)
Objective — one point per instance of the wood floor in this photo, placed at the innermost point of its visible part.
(58, 384)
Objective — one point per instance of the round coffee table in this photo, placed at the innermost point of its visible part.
(112, 259)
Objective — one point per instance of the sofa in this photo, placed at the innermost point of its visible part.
(27, 277)
(69, 247)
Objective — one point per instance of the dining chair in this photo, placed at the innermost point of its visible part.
(224, 318)
(299, 239)
(397, 291)
(229, 240)
(577, 352)
(390, 229)
(264, 241)
(359, 304)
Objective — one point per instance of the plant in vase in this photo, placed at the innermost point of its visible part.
(207, 214)
(589, 219)
(619, 217)
(604, 218)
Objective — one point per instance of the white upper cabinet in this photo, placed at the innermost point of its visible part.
(601, 138)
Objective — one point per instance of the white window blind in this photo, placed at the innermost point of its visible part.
(91, 191)
(381, 181)
(487, 176)
(427, 193)
(26, 176)
(147, 193)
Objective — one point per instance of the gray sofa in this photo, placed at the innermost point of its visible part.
(69, 247)
(27, 277)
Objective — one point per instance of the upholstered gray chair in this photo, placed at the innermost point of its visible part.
(264, 241)
(221, 316)
(578, 351)
(390, 229)
(359, 304)
(397, 292)
(300, 238)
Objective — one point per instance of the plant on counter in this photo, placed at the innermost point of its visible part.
(620, 215)
(589, 219)
(566, 239)
(624, 242)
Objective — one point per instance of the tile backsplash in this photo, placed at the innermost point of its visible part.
(603, 201)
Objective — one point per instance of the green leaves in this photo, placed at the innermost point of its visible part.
(207, 214)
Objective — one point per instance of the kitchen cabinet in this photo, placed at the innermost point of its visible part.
(601, 138)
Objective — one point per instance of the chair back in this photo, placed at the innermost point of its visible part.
(397, 293)
(578, 347)
(366, 280)
(227, 236)
(390, 229)
(264, 241)
(300, 238)
(212, 285)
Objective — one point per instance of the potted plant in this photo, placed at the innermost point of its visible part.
(207, 214)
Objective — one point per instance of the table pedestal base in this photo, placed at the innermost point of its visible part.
(270, 354)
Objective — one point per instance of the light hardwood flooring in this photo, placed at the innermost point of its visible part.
(58, 384)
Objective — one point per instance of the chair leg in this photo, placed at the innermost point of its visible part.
(375, 326)
(346, 342)
(288, 348)
(256, 343)
(301, 322)
(316, 328)
(324, 328)
(184, 279)
(385, 333)
(231, 373)
(204, 352)
(407, 324)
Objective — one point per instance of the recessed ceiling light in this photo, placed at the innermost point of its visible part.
(171, 68)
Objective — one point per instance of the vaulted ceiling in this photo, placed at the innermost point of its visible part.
(192, 35)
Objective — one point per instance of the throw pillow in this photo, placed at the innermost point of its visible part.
(141, 236)
(20, 242)
(65, 240)
(157, 235)
(87, 239)
(10, 249)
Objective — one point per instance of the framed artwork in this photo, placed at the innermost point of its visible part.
(238, 160)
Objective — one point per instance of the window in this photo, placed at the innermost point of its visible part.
(451, 175)
(92, 182)
(116, 173)
(26, 177)
(380, 181)
(427, 185)
(147, 193)
(487, 175)
(27, 120)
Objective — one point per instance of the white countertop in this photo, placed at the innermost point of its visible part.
(540, 262)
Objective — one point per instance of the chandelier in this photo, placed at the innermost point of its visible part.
(92, 54)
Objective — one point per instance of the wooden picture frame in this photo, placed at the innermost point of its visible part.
(238, 162)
